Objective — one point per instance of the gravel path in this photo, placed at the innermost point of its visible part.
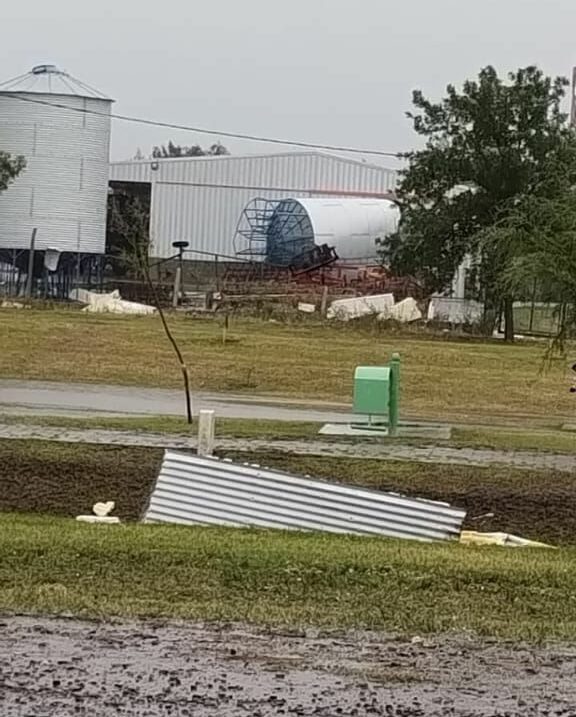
(431, 454)
(55, 667)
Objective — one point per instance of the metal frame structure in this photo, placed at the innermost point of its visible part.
(277, 230)
(73, 271)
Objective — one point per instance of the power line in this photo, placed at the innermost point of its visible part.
(199, 130)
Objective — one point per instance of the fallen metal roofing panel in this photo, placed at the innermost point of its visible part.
(196, 490)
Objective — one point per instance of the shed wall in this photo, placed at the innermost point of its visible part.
(201, 200)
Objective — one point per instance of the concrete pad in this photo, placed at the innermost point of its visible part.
(431, 431)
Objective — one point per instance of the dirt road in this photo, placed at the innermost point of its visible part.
(56, 667)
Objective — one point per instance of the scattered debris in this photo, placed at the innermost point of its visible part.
(306, 308)
(109, 303)
(470, 537)
(404, 311)
(11, 305)
(381, 305)
(196, 490)
(454, 311)
(346, 309)
(101, 514)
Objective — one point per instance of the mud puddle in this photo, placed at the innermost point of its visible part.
(58, 667)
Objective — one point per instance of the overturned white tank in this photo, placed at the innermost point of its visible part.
(351, 226)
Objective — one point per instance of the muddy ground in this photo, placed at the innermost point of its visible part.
(67, 479)
(56, 668)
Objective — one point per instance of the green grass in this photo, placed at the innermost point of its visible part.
(441, 378)
(57, 566)
(507, 439)
(225, 427)
(499, 438)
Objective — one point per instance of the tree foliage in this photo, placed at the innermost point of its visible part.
(535, 242)
(10, 168)
(489, 149)
(128, 237)
(195, 150)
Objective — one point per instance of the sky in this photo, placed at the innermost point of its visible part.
(335, 72)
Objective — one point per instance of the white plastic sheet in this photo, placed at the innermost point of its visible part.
(109, 303)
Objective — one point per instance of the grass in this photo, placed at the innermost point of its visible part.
(441, 378)
(500, 438)
(57, 566)
(225, 427)
(507, 439)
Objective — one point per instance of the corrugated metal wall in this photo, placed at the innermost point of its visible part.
(63, 190)
(200, 200)
(206, 491)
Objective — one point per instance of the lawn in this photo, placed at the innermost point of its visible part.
(441, 378)
(290, 579)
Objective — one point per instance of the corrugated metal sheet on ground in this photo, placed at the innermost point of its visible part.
(207, 491)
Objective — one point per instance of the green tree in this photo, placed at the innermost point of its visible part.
(10, 168)
(128, 237)
(195, 150)
(486, 148)
(536, 242)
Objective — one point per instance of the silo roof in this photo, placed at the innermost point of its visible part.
(49, 80)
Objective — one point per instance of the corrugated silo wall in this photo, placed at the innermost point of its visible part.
(62, 192)
(201, 200)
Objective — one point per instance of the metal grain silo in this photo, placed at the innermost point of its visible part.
(62, 128)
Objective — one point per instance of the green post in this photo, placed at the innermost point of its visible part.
(394, 405)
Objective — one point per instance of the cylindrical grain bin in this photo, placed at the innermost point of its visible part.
(62, 128)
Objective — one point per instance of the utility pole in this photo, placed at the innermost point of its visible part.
(573, 104)
(179, 275)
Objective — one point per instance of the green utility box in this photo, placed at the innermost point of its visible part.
(372, 390)
(377, 395)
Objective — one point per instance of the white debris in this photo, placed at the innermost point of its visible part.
(404, 311)
(346, 309)
(505, 540)
(105, 520)
(109, 303)
(11, 305)
(454, 311)
(103, 509)
(306, 308)
(101, 514)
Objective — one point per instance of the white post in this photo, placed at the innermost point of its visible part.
(177, 287)
(206, 424)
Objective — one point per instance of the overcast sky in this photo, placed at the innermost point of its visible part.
(326, 71)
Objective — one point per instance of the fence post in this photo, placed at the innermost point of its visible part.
(206, 424)
(324, 301)
(29, 278)
(394, 405)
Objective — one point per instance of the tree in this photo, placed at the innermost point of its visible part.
(538, 237)
(128, 235)
(195, 150)
(486, 148)
(10, 168)
(128, 227)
